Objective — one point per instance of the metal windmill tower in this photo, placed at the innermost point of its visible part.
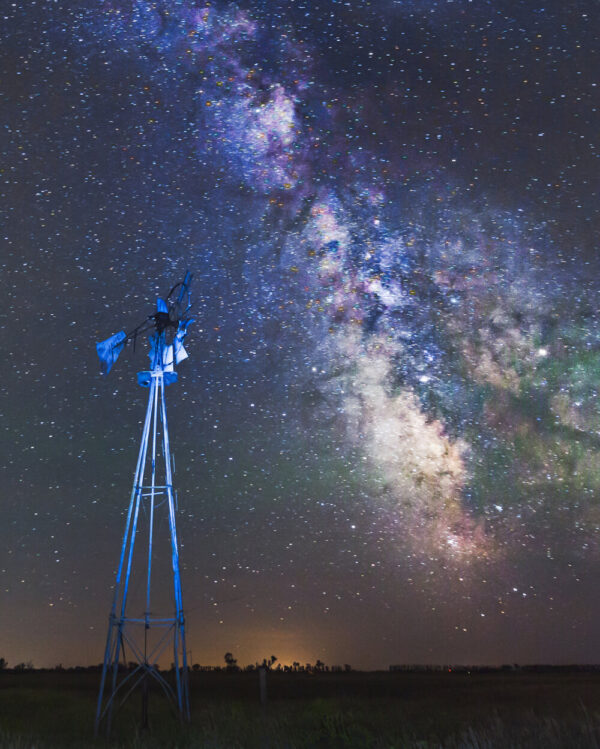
(136, 641)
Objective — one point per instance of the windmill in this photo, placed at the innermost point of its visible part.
(136, 641)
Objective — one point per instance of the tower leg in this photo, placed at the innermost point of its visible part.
(181, 672)
(121, 626)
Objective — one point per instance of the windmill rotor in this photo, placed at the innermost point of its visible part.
(169, 324)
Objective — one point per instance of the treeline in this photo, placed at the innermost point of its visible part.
(267, 664)
(506, 668)
(306, 668)
(317, 668)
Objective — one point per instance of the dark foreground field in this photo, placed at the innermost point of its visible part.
(40, 710)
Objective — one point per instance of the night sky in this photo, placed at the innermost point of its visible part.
(387, 435)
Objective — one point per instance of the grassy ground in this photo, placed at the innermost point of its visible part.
(362, 711)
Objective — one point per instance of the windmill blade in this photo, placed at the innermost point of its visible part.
(161, 305)
(183, 326)
(179, 351)
(184, 289)
(185, 286)
(109, 350)
(167, 358)
(178, 348)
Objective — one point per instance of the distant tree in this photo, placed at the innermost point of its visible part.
(231, 662)
(24, 667)
(295, 665)
(347, 667)
(3, 664)
(319, 665)
(267, 663)
(196, 667)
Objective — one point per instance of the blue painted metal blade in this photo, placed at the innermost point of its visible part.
(179, 351)
(183, 325)
(185, 286)
(161, 305)
(109, 350)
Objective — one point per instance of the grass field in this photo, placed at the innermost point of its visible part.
(362, 710)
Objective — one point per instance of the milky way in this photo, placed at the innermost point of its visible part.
(389, 416)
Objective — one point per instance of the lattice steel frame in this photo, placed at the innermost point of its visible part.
(115, 690)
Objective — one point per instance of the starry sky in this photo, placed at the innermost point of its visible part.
(386, 435)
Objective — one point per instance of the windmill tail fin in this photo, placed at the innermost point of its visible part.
(109, 350)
